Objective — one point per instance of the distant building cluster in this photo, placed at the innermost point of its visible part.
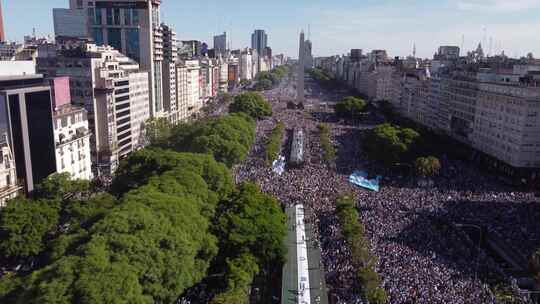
(79, 102)
(491, 103)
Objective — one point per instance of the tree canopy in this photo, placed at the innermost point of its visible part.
(252, 104)
(138, 168)
(350, 107)
(390, 144)
(263, 84)
(25, 224)
(251, 220)
(427, 166)
(172, 216)
(149, 247)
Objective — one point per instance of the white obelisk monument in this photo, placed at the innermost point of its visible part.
(301, 70)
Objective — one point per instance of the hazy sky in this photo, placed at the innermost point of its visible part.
(336, 25)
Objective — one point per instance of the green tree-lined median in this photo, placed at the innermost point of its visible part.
(369, 281)
(273, 143)
(329, 151)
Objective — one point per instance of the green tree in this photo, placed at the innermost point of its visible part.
(390, 144)
(158, 132)
(230, 297)
(245, 82)
(328, 148)
(427, 166)
(150, 248)
(273, 144)
(240, 272)
(137, 170)
(252, 104)
(251, 221)
(25, 224)
(354, 233)
(350, 107)
(60, 186)
(263, 84)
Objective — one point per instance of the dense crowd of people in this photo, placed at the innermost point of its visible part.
(422, 256)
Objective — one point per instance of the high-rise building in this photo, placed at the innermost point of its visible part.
(26, 128)
(2, 33)
(259, 41)
(133, 28)
(189, 48)
(246, 64)
(447, 52)
(170, 58)
(356, 54)
(233, 72)
(188, 88)
(70, 23)
(220, 44)
(223, 75)
(115, 93)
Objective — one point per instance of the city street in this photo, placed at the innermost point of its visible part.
(422, 256)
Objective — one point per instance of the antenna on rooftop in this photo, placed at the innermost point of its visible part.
(462, 42)
(309, 32)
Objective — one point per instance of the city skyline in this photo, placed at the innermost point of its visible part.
(335, 29)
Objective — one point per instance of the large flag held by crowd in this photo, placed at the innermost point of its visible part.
(360, 178)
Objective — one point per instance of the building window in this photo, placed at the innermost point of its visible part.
(98, 36)
(98, 20)
(127, 16)
(91, 15)
(115, 38)
(116, 16)
(133, 44)
(109, 16)
(135, 16)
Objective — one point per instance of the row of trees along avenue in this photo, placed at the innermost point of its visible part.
(172, 218)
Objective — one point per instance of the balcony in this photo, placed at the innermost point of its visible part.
(79, 133)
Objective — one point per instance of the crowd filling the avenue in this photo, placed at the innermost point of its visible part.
(422, 254)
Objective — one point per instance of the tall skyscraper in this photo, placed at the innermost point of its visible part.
(220, 44)
(301, 70)
(259, 41)
(2, 34)
(26, 126)
(170, 58)
(133, 28)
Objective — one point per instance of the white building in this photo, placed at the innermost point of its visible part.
(72, 140)
(223, 75)
(188, 91)
(170, 59)
(246, 65)
(9, 186)
(115, 93)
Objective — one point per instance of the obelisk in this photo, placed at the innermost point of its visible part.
(301, 71)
